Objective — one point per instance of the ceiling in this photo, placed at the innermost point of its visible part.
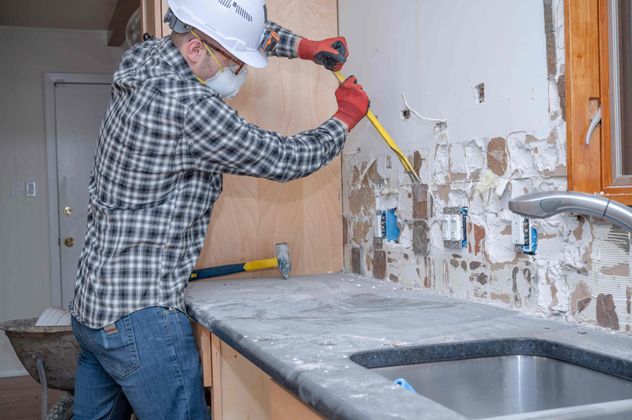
(61, 14)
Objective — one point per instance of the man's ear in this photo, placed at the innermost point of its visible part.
(195, 50)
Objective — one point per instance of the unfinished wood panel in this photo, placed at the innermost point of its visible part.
(243, 391)
(245, 388)
(153, 13)
(251, 215)
(583, 93)
(203, 340)
(216, 392)
(151, 17)
(285, 406)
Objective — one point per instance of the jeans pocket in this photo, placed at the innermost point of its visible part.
(120, 355)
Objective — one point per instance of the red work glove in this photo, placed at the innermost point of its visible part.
(353, 102)
(331, 53)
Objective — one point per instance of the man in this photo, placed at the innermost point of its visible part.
(165, 142)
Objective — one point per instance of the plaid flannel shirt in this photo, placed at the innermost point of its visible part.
(163, 146)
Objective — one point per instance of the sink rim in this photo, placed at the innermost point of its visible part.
(511, 346)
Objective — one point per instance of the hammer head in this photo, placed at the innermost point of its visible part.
(283, 256)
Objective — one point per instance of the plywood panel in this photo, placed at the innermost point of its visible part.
(285, 406)
(216, 392)
(151, 17)
(245, 388)
(288, 96)
(243, 391)
(203, 341)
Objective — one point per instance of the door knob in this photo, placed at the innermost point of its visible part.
(67, 211)
(69, 242)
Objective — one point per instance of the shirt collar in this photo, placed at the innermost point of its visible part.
(174, 57)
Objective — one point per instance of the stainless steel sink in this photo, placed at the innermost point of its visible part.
(504, 377)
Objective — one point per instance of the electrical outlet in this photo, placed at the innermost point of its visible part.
(386, 226)
(454, 227)
(523, 235)
(30, 188)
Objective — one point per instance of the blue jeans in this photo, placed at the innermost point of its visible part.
(146, 362)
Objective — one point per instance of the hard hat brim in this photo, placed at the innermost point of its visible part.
(256, 59)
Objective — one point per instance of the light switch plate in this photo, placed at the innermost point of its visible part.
(30, 188)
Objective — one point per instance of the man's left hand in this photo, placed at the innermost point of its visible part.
(331, 53)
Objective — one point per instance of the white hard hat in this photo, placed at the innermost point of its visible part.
(239, 26)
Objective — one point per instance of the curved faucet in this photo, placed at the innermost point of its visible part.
(546, 204)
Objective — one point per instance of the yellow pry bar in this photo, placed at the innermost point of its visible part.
(261, 264)
(387, 138)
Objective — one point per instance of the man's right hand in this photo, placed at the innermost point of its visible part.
(353, 102)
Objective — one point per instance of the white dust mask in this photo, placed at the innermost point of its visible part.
(226, 83)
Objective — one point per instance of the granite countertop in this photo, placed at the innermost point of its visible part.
(302, 332)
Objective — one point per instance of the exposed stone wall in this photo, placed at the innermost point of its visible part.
(582, 268)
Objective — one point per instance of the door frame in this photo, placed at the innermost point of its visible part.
(50, 80)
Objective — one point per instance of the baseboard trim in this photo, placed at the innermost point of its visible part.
(8, 373)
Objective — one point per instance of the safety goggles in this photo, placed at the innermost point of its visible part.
(239, 65)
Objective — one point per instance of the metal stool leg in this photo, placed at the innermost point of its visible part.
(42, 377)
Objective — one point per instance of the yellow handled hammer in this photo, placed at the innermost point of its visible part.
(281, 261)
(388, 139)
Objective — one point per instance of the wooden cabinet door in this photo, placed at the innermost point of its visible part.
(243, 391)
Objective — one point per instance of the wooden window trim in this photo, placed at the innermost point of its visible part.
(587, 86)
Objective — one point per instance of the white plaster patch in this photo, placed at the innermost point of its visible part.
(545, 296)
(387, 200)
(406, 236)
(457, 159)
(521, 157)
(547, 158)
(441, 164)
(500, 250)
(474, 156)
(574, 251)
(550, 184)
(554, 98)
(405, 203)
(426, 169)
(436, 237)
(458, 280)
(558, 278)
(501, 186)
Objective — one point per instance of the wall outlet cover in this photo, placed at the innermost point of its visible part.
(454, 227)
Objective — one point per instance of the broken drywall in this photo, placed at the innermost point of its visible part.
(500, 141)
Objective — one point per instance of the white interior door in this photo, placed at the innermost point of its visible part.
(79, 110)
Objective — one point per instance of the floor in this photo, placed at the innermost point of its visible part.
(20, 398)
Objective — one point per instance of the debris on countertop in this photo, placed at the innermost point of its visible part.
(302, 332)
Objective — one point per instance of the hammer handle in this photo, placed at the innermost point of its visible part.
(222, 270)
(225, 270)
